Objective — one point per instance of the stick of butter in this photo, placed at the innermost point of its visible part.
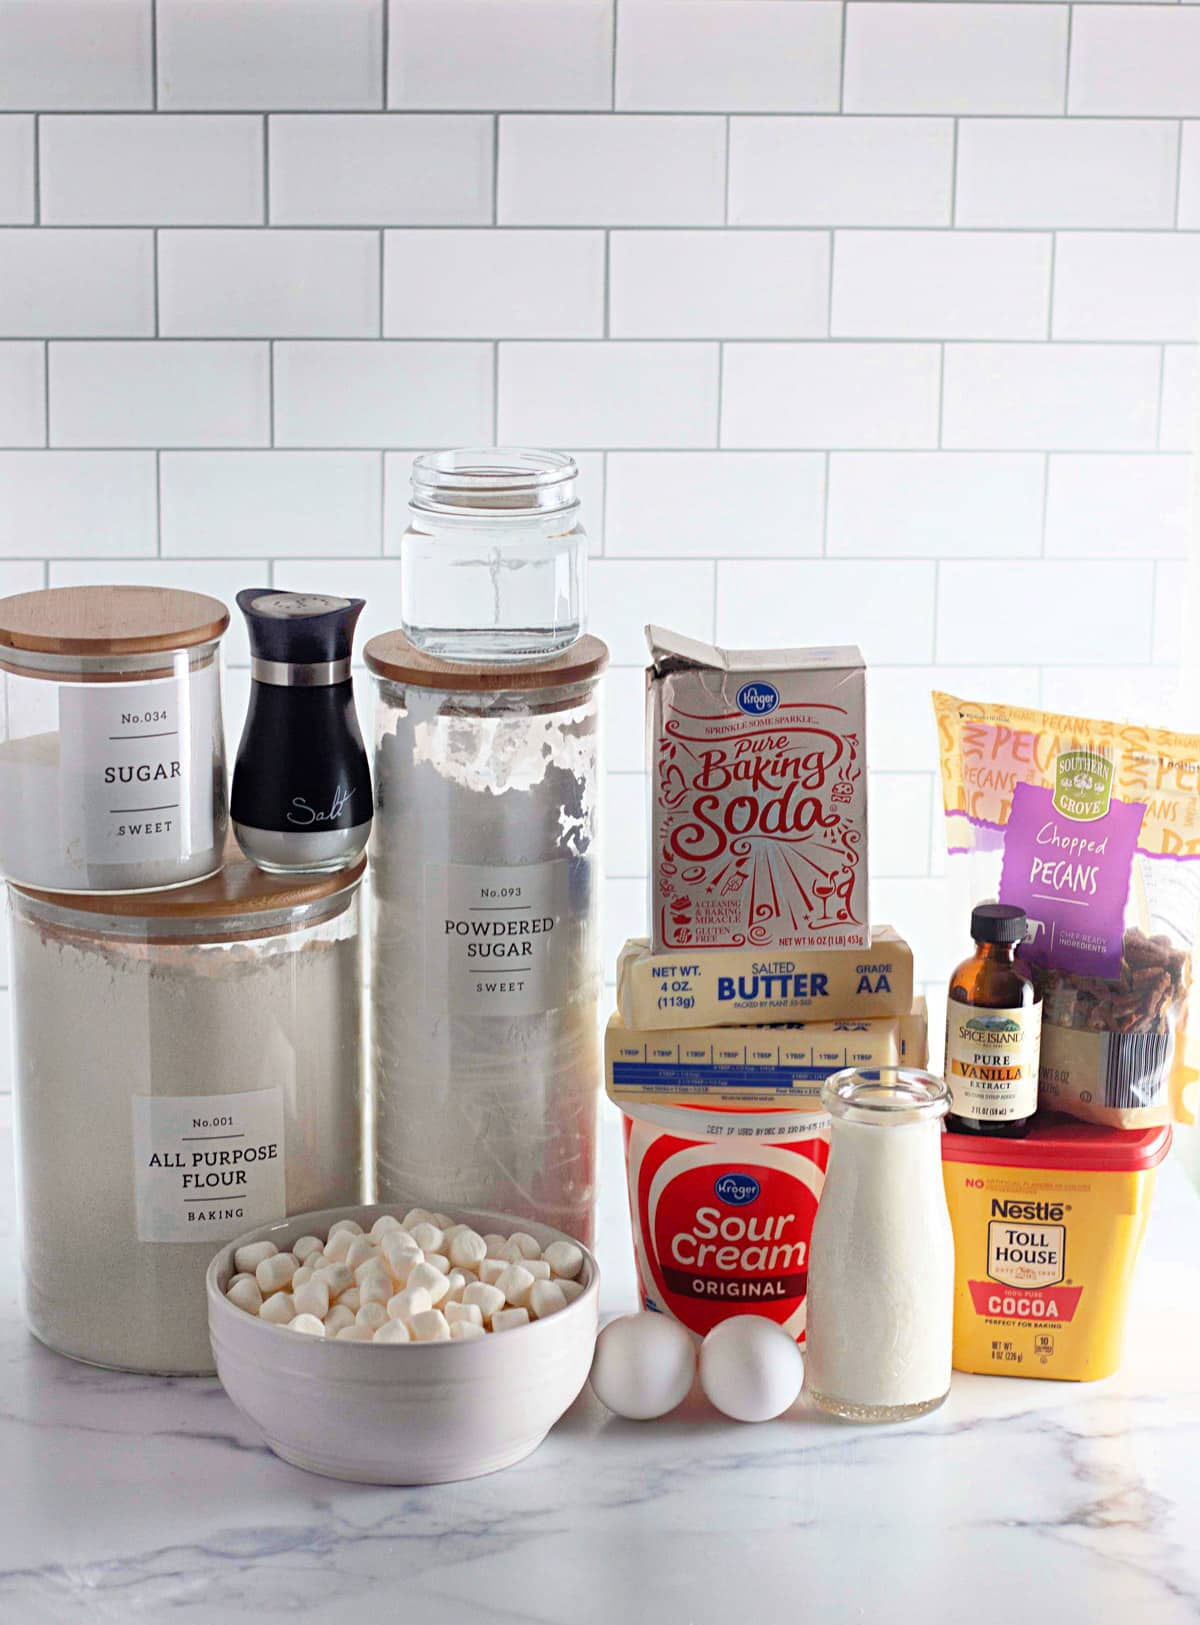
(754, 1066)
(734, 987)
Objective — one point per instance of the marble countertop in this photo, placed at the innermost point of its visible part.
(141, 1499)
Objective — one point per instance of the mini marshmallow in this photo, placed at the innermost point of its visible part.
(337, 1277)
(338, 1246)
(488, 1299)
(337, 1320)
(467, 1249)
(247, 1259)
(430, 1326)
(412, 1300)
(465, 1331)
(304, 1273)
(428, 1276)
(246, 1293)
(516, 1284)
(362, 1251)
(564, 1258)
(417, 1215)
(529, 1247)
(428, 1237)
(369, 1266)
(538, 1268)
(309, 1325)
(457, 1283)
(393, 1331)
(441, 1218)
(439, 1261)
(355, 1334)
(457, 1313)
(311, 1298)
(304, 1246)
(492, 1269)
(495, 1245)
(350, 1299)
(570, 1289)
(505, 1320)
(373, 1315)
(397, 1246)
(384, 1223)
(275, 1272)
(375, 1287)
(545, 1298)
(278, 1309)
(351, 1226)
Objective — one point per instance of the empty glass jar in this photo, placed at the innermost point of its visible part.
(493, 563)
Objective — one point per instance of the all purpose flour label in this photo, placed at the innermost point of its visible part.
(493, 937)
(127, 752)
(207, 1167)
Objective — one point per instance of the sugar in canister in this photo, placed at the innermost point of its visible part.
(485, 873)
(187, 1067)
(112, 754)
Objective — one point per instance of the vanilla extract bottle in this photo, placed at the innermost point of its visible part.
(993, 1030)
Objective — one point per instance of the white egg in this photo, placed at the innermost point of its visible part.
(643, 1366)
(750, 1368)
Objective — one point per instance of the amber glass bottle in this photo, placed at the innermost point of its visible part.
(993, 1030)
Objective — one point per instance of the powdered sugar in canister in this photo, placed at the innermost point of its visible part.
(486, 964)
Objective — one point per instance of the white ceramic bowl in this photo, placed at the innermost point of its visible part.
(401, 1413)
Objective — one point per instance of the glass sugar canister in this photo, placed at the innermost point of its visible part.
(485, 874)
(187, 1066)
(493, 563)
(112, 752)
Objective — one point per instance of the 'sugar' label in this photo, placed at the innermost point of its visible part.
(129, 792)
(493, 937)
(207, 1167)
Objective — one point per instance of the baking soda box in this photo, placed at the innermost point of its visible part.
(757, 762)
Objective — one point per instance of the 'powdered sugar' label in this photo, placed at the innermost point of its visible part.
(492, 937)
(207, 1167)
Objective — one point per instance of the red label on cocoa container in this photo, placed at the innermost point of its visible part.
(995, 1302)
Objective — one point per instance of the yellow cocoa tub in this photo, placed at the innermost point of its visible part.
(1047, 1232)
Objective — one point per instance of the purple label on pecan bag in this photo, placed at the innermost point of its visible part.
(1071, 876)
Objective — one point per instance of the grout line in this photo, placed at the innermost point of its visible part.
(742, 228)
(154, 54)
(271, 393)
(46, 393)
(841, 106)
(612, 89)
(155, 268)
(385, 51)
(382, 278)
(1067, 63)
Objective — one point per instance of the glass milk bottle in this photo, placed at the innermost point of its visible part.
(881, 1261)
(493, 561)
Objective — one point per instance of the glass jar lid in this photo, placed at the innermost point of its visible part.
(504, 482)
(885, 1096)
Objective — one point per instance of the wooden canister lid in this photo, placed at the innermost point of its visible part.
(240, 888)
(101, 621)
(395, 657)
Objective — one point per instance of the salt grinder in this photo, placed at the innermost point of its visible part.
(301, 798)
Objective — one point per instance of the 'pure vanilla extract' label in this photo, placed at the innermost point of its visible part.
(992, 1061)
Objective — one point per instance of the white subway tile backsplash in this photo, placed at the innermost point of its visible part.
(636, 170)
(942, 57)
(1126, 285)
(708, 56)
(177, 169)
(840, 171)
(1140, 694)
(24, 575)
(719, 284)
(941, 284)
(1135, 59)
(1063, 614)
(264, 53)
(383, 394)
(1054, 397)
(1066, 172)
(16, 169)
(694, 504)
(921, 911)
(75, 53)
(493, 284)
(886, 608)
(523, 54)
(608, 395)
(900, 814)
(835, 395)
(58, 284)
(291, 284)
(1189, 176)
(901, 737)
(625, 716)
(625, 595)
(1101, 506)
(1171, 600)
(166, 393)
(219, 578)
(917, 504)
(286, 504)
(23, 397)
(372, 169)
(78, 503)
(1180, 426)
(624, 917)
(625, 814)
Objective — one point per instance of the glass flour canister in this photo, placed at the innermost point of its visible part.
(112, 752)
(493, 563)
(485, 873)
(187, 1067)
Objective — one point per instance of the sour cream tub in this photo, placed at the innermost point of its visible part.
(722, 1201)
(1047, 1232)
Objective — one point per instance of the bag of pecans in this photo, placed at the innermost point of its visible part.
(1093, 828)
